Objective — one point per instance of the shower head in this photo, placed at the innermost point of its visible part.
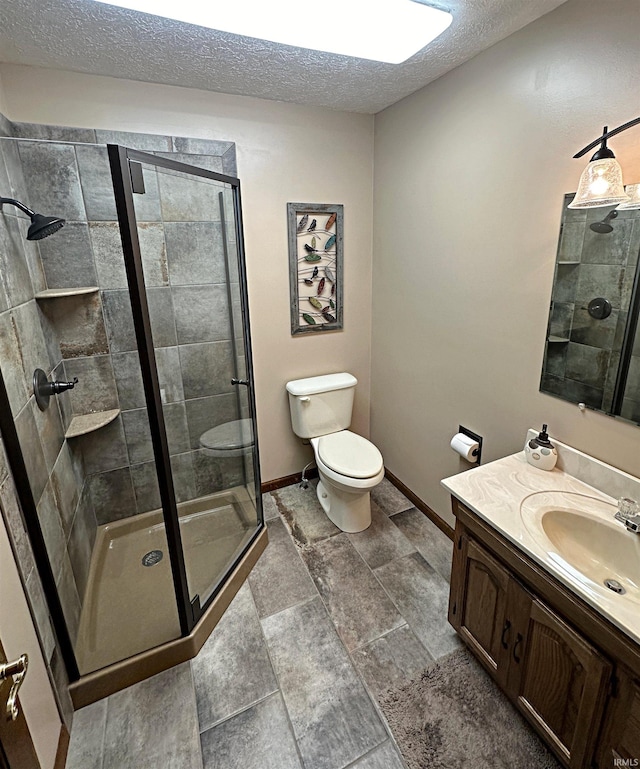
(41, 226)
(604, 227)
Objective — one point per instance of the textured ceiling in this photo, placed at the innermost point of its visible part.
(84, 36)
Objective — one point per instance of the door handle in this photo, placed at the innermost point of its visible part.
(505, 630)
(16, 670)
(235, 381)
(519, 640)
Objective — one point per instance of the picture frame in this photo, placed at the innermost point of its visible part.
(315, 266)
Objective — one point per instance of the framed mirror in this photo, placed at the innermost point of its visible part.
(592, 351)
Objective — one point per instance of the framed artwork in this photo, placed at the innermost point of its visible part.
(315, 266)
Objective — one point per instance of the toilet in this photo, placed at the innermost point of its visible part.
(349, 465)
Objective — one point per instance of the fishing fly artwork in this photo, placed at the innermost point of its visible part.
(315, 266)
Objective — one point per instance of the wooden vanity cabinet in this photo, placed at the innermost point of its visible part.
(620, 741)
(552, 674)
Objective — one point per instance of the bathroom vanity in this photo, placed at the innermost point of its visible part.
(532, 551)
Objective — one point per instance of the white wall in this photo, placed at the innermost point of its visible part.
(286, 153)
(469, 177)
(18, 637)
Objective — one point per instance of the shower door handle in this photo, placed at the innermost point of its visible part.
(245, 382)
(16, 670)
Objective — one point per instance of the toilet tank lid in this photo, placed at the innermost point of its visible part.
(320, 384)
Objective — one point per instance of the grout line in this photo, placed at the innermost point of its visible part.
(355, 763)
(382, 635)
(275, 674)
(237, 712)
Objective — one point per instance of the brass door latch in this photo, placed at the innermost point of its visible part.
(16, 670)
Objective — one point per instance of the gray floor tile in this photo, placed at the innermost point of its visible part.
(333, 718)
(279, 579)
(381, 542)
(391, 660)
(433, 544)
(232, 670)
(384, 757)
(87, 737)
(358, 606)
(422, 597)
(389, 499)
(257, 738)
(154, 723)
(269, 507)
(303, 514)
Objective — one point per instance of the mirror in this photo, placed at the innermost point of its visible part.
(592, 352)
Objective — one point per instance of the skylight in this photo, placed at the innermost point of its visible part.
(382, 30)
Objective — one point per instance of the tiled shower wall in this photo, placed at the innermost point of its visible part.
(583, 367)
(82, 482)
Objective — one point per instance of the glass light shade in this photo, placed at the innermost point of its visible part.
(633, 191)
(600, 185)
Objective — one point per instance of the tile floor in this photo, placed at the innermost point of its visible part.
(289, 677)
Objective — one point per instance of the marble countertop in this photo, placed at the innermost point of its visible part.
(495, 492)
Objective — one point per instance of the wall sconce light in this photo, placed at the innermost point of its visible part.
(633, 191)
(601, 181)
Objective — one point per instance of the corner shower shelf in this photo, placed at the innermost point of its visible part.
(559, 339)
(87, 423)
(58, 293)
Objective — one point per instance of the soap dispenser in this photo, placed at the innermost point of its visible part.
(540, 452)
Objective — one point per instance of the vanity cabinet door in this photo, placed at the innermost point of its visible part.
(558, 681)
(620, 743)
(478, 604)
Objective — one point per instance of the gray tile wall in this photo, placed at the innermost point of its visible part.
(181, 243)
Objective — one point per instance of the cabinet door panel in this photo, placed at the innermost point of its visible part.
(620, 744)
(560, 683)
(482, 618)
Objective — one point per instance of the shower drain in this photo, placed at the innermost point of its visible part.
(152, 558)
(614, 585)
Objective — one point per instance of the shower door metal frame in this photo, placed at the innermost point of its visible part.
(189, 611)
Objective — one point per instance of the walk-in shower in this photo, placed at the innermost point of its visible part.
(139, 481)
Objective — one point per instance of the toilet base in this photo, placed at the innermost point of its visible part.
(349, 512)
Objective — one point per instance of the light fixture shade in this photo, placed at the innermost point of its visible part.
(633, 191)
(600, 185)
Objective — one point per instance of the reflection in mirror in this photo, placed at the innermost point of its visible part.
(592, 355)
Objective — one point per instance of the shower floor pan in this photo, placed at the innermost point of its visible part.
(130, 607)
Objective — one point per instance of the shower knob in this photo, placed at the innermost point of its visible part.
(43, 389)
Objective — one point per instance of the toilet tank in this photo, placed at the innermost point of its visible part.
(321, 404)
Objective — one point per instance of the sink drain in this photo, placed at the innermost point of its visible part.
(152, 558)
(614, 585)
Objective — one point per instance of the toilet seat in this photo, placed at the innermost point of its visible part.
(231, 439)
(349, 455)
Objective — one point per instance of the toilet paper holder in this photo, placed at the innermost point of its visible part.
(476, 437)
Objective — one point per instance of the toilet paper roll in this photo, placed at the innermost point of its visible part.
(465, 446)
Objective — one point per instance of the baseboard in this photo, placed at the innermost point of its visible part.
(63, 748)
(422, 506)
(287, 480)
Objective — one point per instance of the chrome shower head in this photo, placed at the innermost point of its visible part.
(604, 227)
(41, 226)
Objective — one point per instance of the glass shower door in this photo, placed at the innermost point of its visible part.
(191, 280)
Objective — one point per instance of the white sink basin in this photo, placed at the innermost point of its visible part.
(581, 536)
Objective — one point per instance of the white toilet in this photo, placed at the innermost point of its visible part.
(349, 465)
